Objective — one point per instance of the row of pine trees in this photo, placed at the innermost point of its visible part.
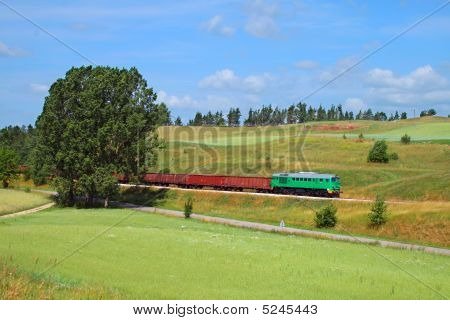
(299, 113)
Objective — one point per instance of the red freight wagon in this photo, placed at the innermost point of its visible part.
(204, 180)
(199, 180)
(259, 183)
(165, 178)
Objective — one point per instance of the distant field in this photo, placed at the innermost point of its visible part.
(16, 200)
(421, 173)
(154, 257)
(424, 222)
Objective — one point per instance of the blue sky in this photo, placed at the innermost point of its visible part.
(216, 54)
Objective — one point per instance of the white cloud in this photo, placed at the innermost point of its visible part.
(306, 64)
(215, 25)
(227, 79)
(6, 51)
(261, 21)
(185, 101)
(354, 103)
(221, 79)
(420, 78)
(423, 85)
(39, 88)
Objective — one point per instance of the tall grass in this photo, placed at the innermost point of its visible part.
(17, 200)
(148, 256)
(18, 285)
(424, 222)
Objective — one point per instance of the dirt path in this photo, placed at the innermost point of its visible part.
(286, 230)
(29, 211)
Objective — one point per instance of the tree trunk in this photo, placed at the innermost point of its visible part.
(106, 202)
(5, 184)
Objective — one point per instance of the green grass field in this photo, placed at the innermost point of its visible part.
(421, 173)
(16, 200)
(425, 222)
(146, 256)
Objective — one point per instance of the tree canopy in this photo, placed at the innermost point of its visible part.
(8, 165)
(96, 120)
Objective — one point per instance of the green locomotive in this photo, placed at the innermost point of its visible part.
(306, 183)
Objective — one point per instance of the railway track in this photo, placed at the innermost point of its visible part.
(263, 194)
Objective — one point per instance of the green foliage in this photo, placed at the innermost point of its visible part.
(105, 184)
(178, 122)
(378, 153)
(326, 217)
(9, 167)
(378, 214)
(27, 189)
(344, 136)
(65, 191)
(19, 139)
(188, 206)
(361, 136)
(429, 112)
(165, 170)
(405, 139)
(96, 118)
(393, 156)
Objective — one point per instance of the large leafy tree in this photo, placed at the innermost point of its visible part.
(8, 165)
(96, 118)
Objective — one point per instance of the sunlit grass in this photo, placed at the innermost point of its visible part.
(421, 173)
(424, 222)
(154, 257)
(17, 200)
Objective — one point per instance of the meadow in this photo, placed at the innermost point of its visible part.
(12, 200)
(421, 172)
(416, 222)
(146, 256)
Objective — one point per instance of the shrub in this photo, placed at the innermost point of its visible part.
(361, 136)
(378, 153)
(326, 217)
(188, 205)
(165, 170)
(378, 214)
(405, 139)
(27, 189)
(393, 156)
(344, 136)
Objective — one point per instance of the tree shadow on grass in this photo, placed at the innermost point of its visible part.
(143, 196)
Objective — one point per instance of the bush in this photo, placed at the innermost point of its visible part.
(188, 205)
(378, 153)
(405, 139)
(165, 170)
(27, 189)
(344, 136)
(378, 214)
(393, 156)
(361, 136)
(326, 217)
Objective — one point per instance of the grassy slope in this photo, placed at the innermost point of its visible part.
(17, 285)
(153, 257)
(421, 173)
(14, 200)
(425, 222)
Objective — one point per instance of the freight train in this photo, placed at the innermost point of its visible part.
(299, 183)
